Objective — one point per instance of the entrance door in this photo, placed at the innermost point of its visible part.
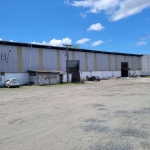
(124, 69)
(43, 78)
(74, 69)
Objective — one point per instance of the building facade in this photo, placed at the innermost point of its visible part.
(21, 57)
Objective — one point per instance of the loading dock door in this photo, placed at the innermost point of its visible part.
(74, 69)
(43, 79)
(124, 69)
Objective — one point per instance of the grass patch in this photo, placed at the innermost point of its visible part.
(147, 77)
(37, 86)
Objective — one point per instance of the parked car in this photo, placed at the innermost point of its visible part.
(94, 78)
(13, 82)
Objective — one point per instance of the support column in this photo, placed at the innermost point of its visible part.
(86, 61)
(108, 62)
(116, 62)
(58, 59)
(40, 58)
(95, 62)
(19, 54)
(73, 55)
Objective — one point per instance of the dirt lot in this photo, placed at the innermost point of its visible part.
(105, 115)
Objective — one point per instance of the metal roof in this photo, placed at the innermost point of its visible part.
(62, 48)
(45, 71)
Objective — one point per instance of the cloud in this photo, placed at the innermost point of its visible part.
(66, 1)
(83, 14)
(95, 27)
(114, 9)
(1, 39)
(97, 43)
(140, 43)
(55, 42)
(12, 41)
(82, 41)
(128, 8)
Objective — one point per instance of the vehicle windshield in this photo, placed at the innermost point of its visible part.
(14, 80)
(7, 80)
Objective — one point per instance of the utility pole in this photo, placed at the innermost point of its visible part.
(67, 65)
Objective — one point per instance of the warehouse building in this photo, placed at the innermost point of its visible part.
(17, 59)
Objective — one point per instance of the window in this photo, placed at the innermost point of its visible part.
(32, 73)
(3, 56)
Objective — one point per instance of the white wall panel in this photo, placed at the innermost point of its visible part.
(34, 59)
(85, 74)
(120, 58)
(102, 62)
(129, 60)
(63, 59)
(90, 61)
(145, 65)
(135, 63)
(26, 59)
(112, 62)
(81, 56)
(49, 59)
(101, 74)
(11, 62)
(23, 78)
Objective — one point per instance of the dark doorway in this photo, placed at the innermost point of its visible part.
(74, 69)
(124, 69)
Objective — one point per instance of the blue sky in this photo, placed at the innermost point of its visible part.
(106, 25)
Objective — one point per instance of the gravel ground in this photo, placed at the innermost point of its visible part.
(105, 115)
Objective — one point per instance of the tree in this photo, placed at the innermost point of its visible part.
(75, 46)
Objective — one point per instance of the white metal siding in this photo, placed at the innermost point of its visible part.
(120, 58)
(34, 59)
(63, 59)
(135, 63)
(49, 59)
(112, 62)
(26, 59)
(102, 62)
(81, 56)
(145, 65)
(12, 64)
(129, 60)
(90, 61)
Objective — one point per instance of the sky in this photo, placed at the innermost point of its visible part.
(103, 25)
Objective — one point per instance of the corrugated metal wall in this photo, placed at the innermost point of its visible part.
(25, 59)
(112, 62)
(102, 62)
(9, 61)
(63, 59)
(90, 61)
(81, 56)
(49, 59)
(120, 58)
(129, 60)
(22, 59)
